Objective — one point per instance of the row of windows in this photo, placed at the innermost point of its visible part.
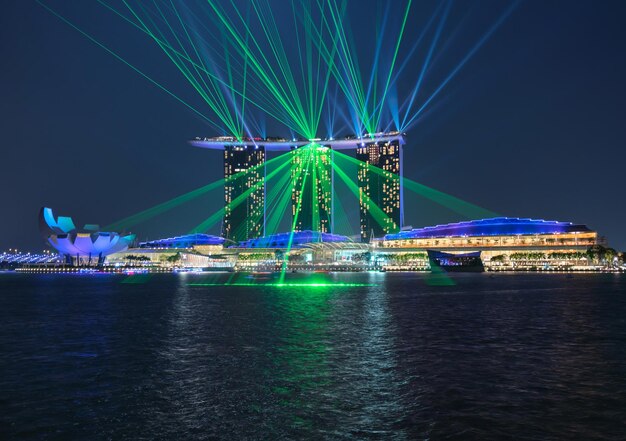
(495, 242)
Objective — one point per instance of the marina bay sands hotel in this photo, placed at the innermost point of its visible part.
(377, 191)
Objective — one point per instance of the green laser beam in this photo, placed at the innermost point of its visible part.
(137, 70)
(377, 213)
(306, 149)
(245, 97)
(272, 196)
(286, 285)
(215, 217)
(163, 207)
(453, 203)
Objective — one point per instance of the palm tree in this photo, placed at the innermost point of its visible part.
(609, 255)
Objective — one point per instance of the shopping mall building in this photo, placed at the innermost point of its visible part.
(489, 244)
(501, 243)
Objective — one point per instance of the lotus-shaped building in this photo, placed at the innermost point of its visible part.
(88, 245)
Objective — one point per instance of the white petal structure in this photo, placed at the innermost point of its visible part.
(80, 246)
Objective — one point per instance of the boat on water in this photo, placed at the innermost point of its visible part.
(261, 275)
(466, 262)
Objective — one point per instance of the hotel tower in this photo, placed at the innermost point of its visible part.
(311, 197)
(244, 219)
(380, 187)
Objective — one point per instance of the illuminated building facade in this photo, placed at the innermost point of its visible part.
(312, 177)
(312, 194)
(188, 251)
(502, 242)
(289, 240)
(384, 190)
(245, 218)
(80, 246)
(202, 243)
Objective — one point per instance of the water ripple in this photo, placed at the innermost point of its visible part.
(530, 357)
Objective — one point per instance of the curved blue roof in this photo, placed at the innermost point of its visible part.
(186, 241)
(281, 240)
(499, 226)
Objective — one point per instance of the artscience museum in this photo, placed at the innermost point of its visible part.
(84, 246)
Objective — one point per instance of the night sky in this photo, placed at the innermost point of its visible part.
(533, 125)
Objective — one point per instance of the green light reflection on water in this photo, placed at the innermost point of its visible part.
(137, 279)
(285, 285)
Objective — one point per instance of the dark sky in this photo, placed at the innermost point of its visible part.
(533, 125)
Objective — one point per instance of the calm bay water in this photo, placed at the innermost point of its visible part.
(521, 356)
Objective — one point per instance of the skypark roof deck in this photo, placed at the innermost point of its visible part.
(282, 144)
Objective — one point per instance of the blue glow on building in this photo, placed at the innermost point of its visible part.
(186, 241)
(299, 238)
(499, 226)
(29, 258)
(80, 245)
